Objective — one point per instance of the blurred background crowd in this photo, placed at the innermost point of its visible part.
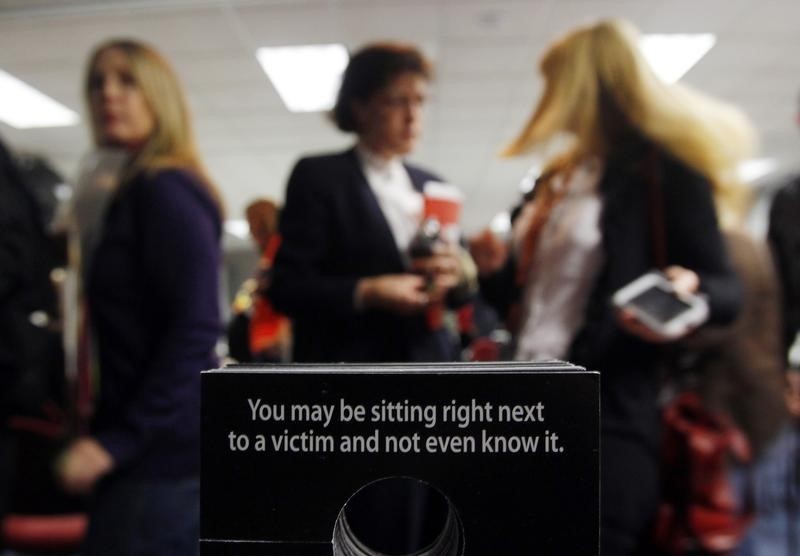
(477, 182)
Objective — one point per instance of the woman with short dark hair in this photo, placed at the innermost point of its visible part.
(343, 272)
(371, 69)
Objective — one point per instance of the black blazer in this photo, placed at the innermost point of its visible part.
(30, 356)
(628, 365)
(333, 234)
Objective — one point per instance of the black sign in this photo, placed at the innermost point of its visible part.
(461, 459)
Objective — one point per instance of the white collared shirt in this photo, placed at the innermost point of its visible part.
(401, 204)
(568, 257)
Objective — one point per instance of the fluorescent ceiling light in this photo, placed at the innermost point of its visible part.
(753, 170)
(24, 107)
(671, 56)
(307, 78)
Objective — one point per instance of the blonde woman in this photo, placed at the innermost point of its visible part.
(644, 156)
(152, 287)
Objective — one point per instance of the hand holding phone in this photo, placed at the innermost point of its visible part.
(666, 314)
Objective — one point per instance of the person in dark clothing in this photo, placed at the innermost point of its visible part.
(25, 289)
(343, 271)
(31, 360)
(152, 287)
(776, 528)
(784, 238)
(24, 281)
(639, 159)
(257, 333)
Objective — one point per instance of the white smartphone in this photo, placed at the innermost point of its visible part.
(656, 304)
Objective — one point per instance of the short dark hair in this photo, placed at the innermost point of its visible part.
(370, 69)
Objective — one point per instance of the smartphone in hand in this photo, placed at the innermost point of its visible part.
(656, 304)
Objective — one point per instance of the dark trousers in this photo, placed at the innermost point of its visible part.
(138, 517)
(628, 496)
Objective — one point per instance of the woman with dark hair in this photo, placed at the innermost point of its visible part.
(343, 272)
(152, 287)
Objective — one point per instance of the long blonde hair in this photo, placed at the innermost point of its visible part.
(172, 143)
(598, 84)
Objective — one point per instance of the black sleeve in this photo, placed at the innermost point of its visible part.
(300, 286)
(17, 228)
(23, 280)
(694, 240)
(784, 239)
(500, 289)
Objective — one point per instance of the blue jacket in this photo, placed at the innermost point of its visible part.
(154, 309)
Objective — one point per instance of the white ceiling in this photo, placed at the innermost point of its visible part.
(485, 54)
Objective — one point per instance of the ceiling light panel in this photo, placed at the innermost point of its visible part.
(671, 56)
(24, 107)
(307, 78)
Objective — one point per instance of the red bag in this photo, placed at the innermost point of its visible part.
(699, 513)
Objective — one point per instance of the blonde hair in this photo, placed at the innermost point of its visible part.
(598, 85)
(172, 143)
